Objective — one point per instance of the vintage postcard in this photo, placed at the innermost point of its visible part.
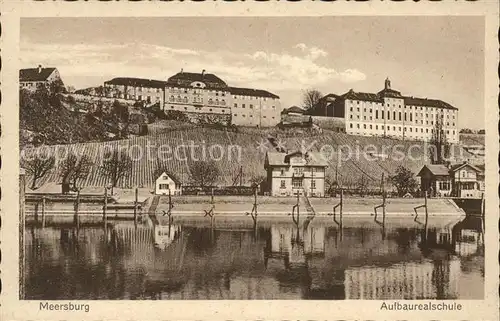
(272, 161)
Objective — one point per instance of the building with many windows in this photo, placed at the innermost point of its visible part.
(138, 89)
(33, 78)
(204, 96)
(296, 172)
(390, 114)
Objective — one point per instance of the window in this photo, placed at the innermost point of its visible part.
(411, 118)
(376, 114)
(350, 125)
(235, 105)
(242, 105)
(351, 116)
(370, 126)
(364, 126)
(388, 115)
(163, 186)
(283, 184)
(251, 106)
(394, 115)
(313, 184)
(400, 116)
(357, 125)
(444, 185)
(297, 182)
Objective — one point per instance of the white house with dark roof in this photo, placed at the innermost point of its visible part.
(388, 113)
(202, 94)
(149, 91)
(168, 183)
(206, 93)
(295, 172)
(460, 180)
(32, 78)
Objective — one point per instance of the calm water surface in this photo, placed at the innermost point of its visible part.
(274, 261)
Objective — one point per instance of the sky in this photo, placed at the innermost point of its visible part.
(436, 57)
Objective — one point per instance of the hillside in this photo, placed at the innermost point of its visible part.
(44, 119)
(239, 149)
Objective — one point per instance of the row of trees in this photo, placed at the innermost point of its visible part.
(403, 180)
(114, 167)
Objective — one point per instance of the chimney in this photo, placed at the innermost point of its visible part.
(203, 72)
(182, 70)
(39, 69)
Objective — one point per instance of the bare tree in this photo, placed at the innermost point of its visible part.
(331, 184)
(204, 173)
(75, 168)
(115, 165)
(311, 98)
(38, 167)
(257, 180)
(439, 148)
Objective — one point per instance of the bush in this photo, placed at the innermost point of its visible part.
(176, 115)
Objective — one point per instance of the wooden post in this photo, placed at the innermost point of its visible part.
(426, 212)
(298, 208)
(341, 205)
(77, 209)
(43, 211)
(104, 209)
(22, 218)
(135, 204)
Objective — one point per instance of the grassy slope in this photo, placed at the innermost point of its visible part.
(251, 159)
(51, 123)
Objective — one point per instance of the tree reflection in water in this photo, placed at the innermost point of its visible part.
(274, 261)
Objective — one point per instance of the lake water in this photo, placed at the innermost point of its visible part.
(273, 261)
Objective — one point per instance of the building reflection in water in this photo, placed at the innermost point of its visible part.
(276, 262)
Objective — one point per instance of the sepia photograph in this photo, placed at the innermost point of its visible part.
(252, 158)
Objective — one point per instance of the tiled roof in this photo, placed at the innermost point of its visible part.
(351, 94)
(387, 92)
(172, 176)
(458, 166)
(185, 78)
(294, 109)
(280, 159)
(251, 92)
(435, 169)
(35, 74)
(136, 82)
(414, 101)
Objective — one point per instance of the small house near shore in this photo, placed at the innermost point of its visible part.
(459, 180)
(295, 172)
(167, 184)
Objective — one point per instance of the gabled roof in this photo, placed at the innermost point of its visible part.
(456, 167)
(415, 101)
(283, 159)
(172, 176)
(294, 109)
(35, 74)
(251, 92)
(387, 92)
(351, 94)
(136, 82)
(435, 169)
(185, 78)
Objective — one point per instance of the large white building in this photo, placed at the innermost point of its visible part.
(203, 96)
(390, 114)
